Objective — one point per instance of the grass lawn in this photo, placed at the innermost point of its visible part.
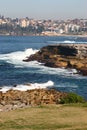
(47, 117)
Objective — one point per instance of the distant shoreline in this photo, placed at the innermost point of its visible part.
(66, 35)
(59, 35)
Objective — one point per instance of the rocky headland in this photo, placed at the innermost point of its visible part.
(63, 55)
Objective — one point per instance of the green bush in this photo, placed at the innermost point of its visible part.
(72, 98)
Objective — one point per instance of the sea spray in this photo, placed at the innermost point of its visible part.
(14, 57)
(30, 86)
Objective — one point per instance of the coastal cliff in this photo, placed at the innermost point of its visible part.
(63, 55)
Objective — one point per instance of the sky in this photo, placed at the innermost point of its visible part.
(44, 9)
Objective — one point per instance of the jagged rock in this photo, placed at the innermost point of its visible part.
(17, 99)
(63, 55)
(83, 71)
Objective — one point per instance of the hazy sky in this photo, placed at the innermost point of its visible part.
(44, 9)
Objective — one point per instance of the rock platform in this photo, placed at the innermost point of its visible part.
(63, 55)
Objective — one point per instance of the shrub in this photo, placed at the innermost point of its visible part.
(72, 98)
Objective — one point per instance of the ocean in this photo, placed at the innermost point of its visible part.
(13, 71)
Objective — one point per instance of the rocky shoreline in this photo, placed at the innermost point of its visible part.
(14, 99)
(72, 56)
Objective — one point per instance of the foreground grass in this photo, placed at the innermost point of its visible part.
(48, 117)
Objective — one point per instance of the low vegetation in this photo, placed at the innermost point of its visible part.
(72, 98)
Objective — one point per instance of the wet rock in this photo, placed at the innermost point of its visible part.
(63, 55)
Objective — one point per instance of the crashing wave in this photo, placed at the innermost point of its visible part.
(25, 87)
(67, 41)
(17, 57)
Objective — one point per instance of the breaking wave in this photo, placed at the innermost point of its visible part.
(30, 86)
(66, 41)
(17, 58)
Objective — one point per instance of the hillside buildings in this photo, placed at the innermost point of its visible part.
(26, 26)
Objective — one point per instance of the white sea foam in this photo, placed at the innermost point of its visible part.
(17, 58)
(5, 89)
(67, 41)
(25, 87)
(57, 71)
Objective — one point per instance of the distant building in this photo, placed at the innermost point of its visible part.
(61, 31)
(24, 23)
(2, 21)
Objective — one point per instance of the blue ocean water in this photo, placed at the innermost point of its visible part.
(13, 49)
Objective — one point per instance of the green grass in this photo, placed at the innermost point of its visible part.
(72, 98)
(46, 117)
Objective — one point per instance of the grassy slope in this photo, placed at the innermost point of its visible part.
(48, 117)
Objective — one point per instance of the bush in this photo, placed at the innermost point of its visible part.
(72, 98)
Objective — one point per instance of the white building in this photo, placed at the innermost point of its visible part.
(2, 22)
(24, 23)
